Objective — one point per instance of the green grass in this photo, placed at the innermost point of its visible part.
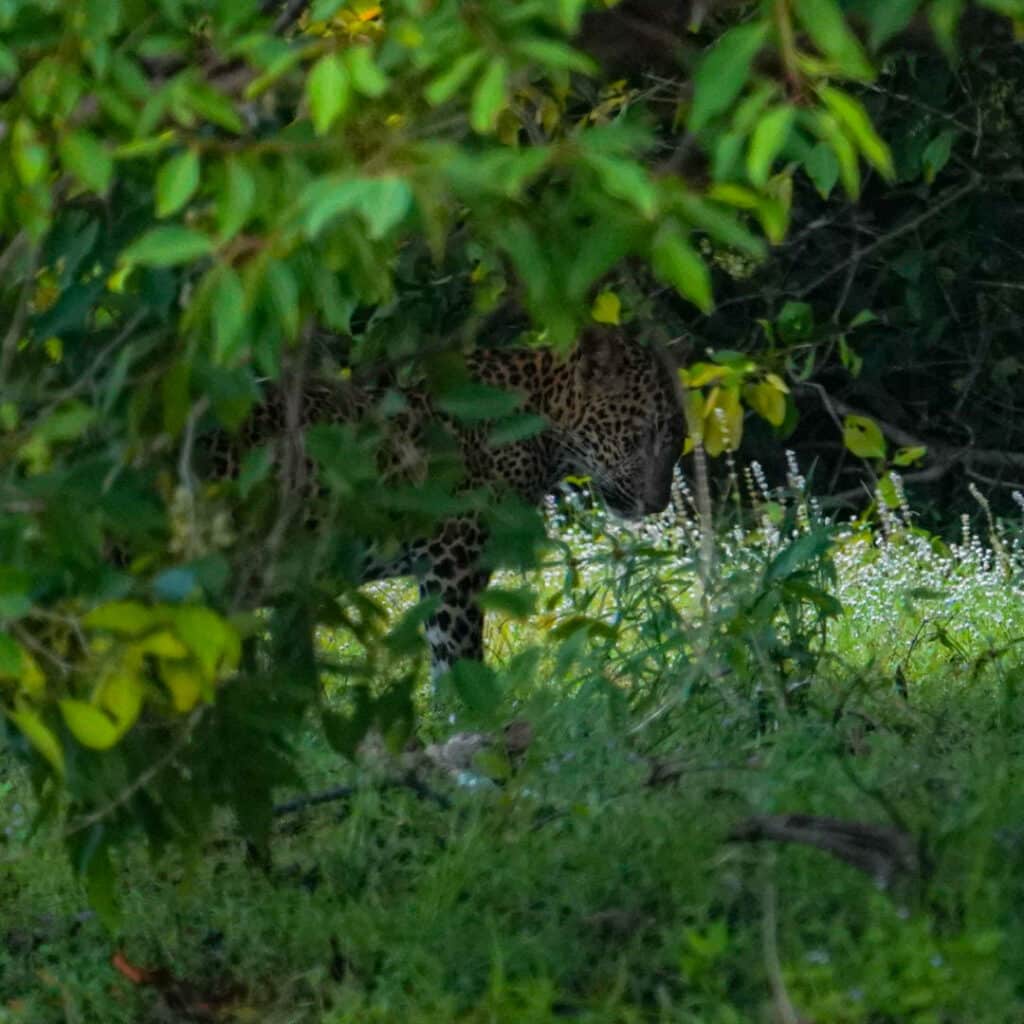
(575, 890)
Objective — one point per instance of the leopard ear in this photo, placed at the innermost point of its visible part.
(600, 354)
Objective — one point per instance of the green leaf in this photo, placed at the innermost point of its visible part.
(936, 154)
(97, 871)
(383, 202)
(228, 310)
(446, 85)
(795, 322)
(31, 157)
(607, 308)
(214, 106)
(254, 469)
(888, 491)
(328, 88)
(769, 137)
(721, 225)
(236, 198)
(808, 547)
(284, 296)
(89, 725)
(514, 428)
(38, 733)
(472, 401)
(887, 18)
(767, 401)
(827, 127)
(908, 456)
(944, 16)
(477, 685)
(850, 113)
(366, 76)
(167, 247)
(627, 180)
(84, 156)
(822, 168)
(677, 263)
(517, 604)
(176, 182)
(128, 618)
(553, 53)
(862, 436)
(489, 96)
(10, 657)
(824, 22)
(569, 14)
(723, 72)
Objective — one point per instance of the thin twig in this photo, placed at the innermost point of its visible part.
(904, 229)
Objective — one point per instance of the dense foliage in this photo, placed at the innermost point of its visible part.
(197, 196)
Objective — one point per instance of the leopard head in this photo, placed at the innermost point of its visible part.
(625, 428)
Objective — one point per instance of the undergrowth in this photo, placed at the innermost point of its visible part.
(858, 670)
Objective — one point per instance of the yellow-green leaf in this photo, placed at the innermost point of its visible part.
(38, 733)
(888, 491)
(908, 456)
(163, 643)
(723, 420)
(850, 113)
(827, 127)
(700, 374)
(126, 617)
(214, 641)
(606, 308)
(31, 157)
(824, 22)
(121, 695)
(185, 683)
(862, 436)
(489, 96)
(767, 401)
(91, 726)
(769, 137)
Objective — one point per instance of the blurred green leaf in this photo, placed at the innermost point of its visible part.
(167, 247)
(447, 84)
(723, 72)
(489, 96)
(176, 182)
(327, 87)
(822, 168)
(383, 202)
(824, 22)
(235, 199)
(677, 263)
(769, 137)
(366, 76)
(87, 159)
(850, 112)
(936, 154)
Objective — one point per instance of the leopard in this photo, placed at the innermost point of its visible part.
(611, 411)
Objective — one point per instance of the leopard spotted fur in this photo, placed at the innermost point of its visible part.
(611, 411)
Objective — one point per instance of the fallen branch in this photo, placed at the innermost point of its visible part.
(881, 851)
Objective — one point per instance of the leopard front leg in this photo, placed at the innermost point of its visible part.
(454, 575)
